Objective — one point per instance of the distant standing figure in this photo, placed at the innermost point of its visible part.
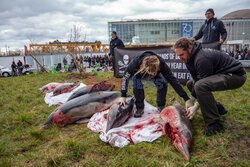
(115, 42)
(247, 55)
(65, 62)
(89, 60)
(211, 30)
(20, 67)
(93, 60)
(14, 68)
(242, 56)
(73, 65)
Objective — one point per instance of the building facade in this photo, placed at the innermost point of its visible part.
(168, 31)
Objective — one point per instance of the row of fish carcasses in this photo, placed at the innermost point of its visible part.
(91, 99)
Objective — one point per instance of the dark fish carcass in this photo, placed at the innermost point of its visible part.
(178, 127)
(49, 87)
(82, 107)
(101, 86)
(66, 87)
(118, 115)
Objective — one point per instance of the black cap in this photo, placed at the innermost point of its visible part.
(210, 10)
(113, 32)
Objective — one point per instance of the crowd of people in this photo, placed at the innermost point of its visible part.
(89, 61)
(243, 54)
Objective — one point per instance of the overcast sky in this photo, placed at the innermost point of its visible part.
(47, 20)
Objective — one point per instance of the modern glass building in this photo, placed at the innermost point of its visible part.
(168, 31)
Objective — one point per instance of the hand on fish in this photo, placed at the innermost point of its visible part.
(189, 103)
(191, 111)
(122, 101)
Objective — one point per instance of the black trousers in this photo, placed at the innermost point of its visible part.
(204, 88)
(138, 91)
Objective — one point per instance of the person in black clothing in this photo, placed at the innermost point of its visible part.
(211, 30)
(20, 67)
(115, 42)
(93, 60)
(89, 60)
(211, 70)
(14, 68)
(150, 66)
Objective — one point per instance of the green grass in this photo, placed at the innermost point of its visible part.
(23, 111)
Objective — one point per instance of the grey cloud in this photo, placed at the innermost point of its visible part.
(49, 20)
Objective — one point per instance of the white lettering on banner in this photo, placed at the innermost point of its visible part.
(171, 56)
(189, 76)
(176, 65)
(173, 62)
(175, 74)
(181, 75)
(184, 66)
(164, 55)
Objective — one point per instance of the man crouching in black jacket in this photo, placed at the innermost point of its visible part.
(149, 66)
(211, 70)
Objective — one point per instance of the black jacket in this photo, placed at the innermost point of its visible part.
(211, 31)
(165, 71)
(19, 64)
(205, 62)
(113, 44)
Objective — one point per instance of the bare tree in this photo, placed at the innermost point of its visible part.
(31, 39)
(76, 35)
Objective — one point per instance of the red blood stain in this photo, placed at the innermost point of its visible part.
(126, 120)
(158, 130)
(127, 136)
(50, 87)
(172, 133)
(168, 114)
(89, 86)
(130, 138)
(151, 122)
(138, 127)
(60, 118)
